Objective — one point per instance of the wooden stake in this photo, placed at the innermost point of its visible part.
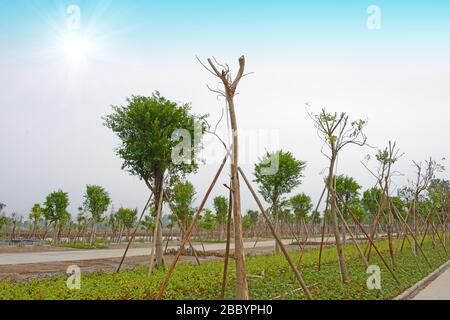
(134, 233)
(227, 248)
(191, 227)
(280, 243)
(368, 237)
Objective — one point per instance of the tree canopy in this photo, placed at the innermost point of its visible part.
(273, 186)
(96, 201)
(146, 127)
(301, 205)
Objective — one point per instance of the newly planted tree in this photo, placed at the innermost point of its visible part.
(252, 218)
(127, 218)
(96, 201)
(274, 185)
(183, 196)
(150, 130)
(221, 210)
(55, 211)
(301, 205)
(208, 221)
(229, 92)
(35, 216)
(336, 133)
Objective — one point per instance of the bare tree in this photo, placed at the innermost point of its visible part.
(229, 92)
(337, 132)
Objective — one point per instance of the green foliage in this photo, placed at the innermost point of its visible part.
(348, 188)
(203, 282)
(183, 196)
(36, 213)
(301, 205)
(55, 207)
(253, 217)
(439, 194)
(145, 127)
(273, 186)
(148, 223)
(221, 208)
(96, 201)
(250, 220)
(370, 200)
(3, 221)
(207, 221)
(2, 207)
(127, 217)
(83, 245)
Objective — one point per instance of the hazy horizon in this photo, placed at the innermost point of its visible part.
(322, 54)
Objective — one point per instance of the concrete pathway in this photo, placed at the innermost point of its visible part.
(438, 289)
(94, 254)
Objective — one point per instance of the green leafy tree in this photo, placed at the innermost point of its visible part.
(148, 224)
(370, 201)
(348, 188)
(81, 223)
(96, 202)
(208, 221)
(273, 185)
(35, 216)
(337, 132)
(2, 207)
(127, 218)
(183, 196)
(251, 220)
(221, 210)
(55, 211)
(147, 128)
(439, 194)
(301, 205)
(3, 219)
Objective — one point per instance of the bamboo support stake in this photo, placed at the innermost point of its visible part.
(134, 233)
(189, 230)
(369, 238)
(280, 243)
(227, 248)
(417, 245)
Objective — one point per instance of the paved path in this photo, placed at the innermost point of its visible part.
(94, 254)
(438, 289)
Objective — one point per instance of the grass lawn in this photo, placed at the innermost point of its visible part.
(204, 281)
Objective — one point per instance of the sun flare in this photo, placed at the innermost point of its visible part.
(76, 47)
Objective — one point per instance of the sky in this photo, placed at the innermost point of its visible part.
(59, 75)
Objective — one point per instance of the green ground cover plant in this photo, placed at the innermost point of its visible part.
(269, 278)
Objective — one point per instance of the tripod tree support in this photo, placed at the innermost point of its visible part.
(189, 230)
(280, 243)
(134, 233)
(368, 238)
(227, 248)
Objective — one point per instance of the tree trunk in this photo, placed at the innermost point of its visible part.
(93, 232)
(335, 223)
(277, 226)
(159, 254)
(241, 277)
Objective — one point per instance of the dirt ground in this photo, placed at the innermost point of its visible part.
(24, 272)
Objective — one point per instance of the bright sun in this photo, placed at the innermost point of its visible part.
(76, 47)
